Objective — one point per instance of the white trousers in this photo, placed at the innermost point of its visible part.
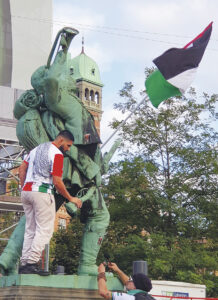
(39, 209)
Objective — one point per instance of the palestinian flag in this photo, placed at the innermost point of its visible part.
(176, 69)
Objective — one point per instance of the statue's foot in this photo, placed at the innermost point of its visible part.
(4, 271)
(91, 270)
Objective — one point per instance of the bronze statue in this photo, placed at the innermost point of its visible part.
(42, 112)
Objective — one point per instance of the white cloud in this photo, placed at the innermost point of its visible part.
(68, 13)
(162, 14)
(151, 14)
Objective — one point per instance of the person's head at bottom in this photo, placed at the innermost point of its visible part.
(139, 281)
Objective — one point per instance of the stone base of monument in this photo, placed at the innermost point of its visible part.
(62, 287)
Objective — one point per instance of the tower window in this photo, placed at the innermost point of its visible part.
(92, 96)
(93, 71)
(86, 94)
(62, 223)
(97, 97)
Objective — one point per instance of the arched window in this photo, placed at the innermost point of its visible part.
(97, 97)
(92, 96)
(87, 94)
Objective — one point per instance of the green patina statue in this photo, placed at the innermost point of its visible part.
(51, 106)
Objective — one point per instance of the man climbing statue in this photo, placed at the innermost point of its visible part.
(39, 172)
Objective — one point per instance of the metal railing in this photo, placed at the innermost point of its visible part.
(160, 297)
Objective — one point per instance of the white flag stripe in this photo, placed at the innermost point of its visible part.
(183, 80)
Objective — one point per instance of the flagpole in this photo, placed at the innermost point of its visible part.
(124, 121)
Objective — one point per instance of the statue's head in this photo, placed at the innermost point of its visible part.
(37, 79)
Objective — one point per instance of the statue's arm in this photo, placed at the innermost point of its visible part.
(89, 194)
(71, 208)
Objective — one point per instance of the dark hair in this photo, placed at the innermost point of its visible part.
(66, 134)
(142, 282)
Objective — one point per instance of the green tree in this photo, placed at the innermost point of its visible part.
(169, 164)
(65, 247)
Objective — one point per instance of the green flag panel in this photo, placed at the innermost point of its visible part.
(158, 89)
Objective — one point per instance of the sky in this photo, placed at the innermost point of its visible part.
(124, 36)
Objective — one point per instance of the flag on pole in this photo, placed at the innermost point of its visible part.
(176, 69)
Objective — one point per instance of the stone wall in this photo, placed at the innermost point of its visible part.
(35, 287)
(38, 293)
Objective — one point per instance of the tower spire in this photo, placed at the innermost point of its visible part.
(82, 45)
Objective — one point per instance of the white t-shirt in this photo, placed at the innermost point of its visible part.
(122, 296)
(43, 161)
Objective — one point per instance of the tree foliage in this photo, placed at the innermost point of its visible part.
(65, 247)
(7, 220)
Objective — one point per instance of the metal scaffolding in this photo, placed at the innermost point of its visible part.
(11, 155)
(11, 209)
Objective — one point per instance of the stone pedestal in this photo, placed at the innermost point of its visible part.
(34, 287)
(42, 293)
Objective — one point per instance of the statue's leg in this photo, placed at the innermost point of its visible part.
(92, 239)
(12, 252)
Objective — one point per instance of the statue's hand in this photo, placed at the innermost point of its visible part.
(71, 209)
(73, 205)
